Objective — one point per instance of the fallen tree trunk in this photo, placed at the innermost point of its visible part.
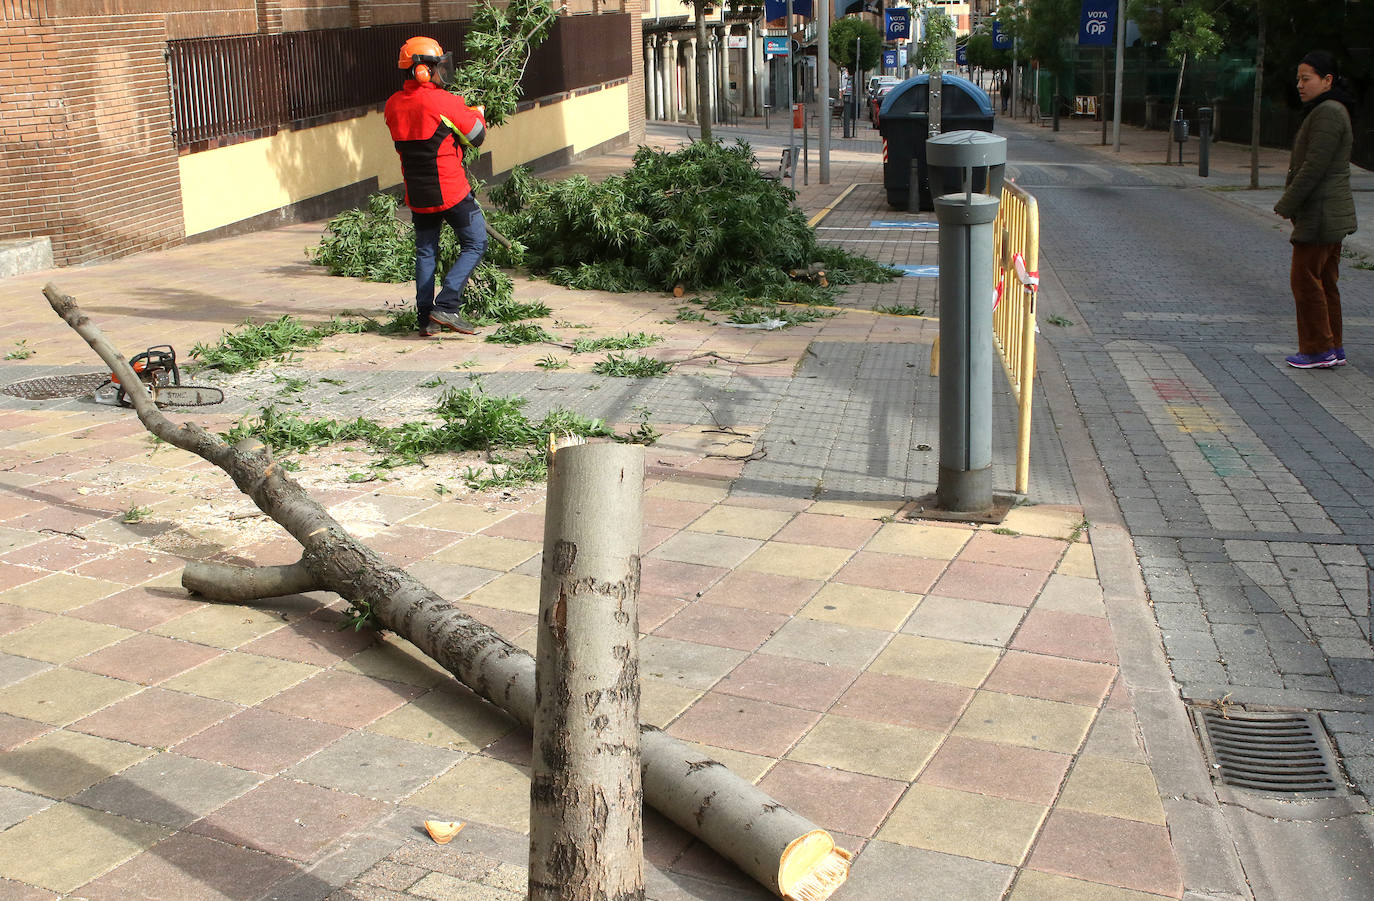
(783, 851)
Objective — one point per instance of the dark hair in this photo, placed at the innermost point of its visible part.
(1322, 62)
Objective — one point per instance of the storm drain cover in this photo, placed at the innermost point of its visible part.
(51, 386)
(1284, 753)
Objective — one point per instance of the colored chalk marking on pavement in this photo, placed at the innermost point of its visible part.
(903, 223)
(919, 271)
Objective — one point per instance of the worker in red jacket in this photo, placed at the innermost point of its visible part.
(431, 126)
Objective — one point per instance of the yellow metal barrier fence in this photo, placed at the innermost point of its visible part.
(1016, 243)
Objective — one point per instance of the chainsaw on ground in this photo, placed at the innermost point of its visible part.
(157, 369)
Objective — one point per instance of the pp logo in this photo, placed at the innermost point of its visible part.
(1096, 27)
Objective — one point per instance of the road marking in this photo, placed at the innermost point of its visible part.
(903, 223)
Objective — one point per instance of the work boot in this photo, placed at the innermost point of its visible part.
(452, 322)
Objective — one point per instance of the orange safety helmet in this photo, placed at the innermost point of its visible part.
(424, 55)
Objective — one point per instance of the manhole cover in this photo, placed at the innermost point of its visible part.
(50, 386)
(1285, 753)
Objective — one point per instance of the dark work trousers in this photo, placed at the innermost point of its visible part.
(466, 220)
(1313, 278)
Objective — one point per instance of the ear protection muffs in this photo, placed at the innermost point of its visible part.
(421, 73)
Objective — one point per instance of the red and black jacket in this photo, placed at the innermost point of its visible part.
(425, 122)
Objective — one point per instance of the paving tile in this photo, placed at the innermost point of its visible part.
(741, 522)
(261, 741)
(688, 489)
(820, 642)
(450, 716)
(863, 746)
(855, 605)
(317, 640)
(1028, 722)
(677, 580)
(59, 592)
(145, 659)
(660, 703)
(1067, 635)
(989, 582)
(221, 625)
(917, 703)
(871, 510)
(934, 542)
(1005, 771)
(1115, 734)
(343, 699)
(956, 619)
(14, 669)
(488, 552)
(402, 545)
(17, 806)
(1113, 788)
(12, 618)
(451, 580)
(887, 870)
(936, 660)
(482, 789)
(60, 763)
(804, 561)
(511, 591)
(671, 512)
(812, 528)
(1108, 850)
(1045, 520)
(59, 639)
(1052, 678)
(15, 731)
(1078, 561)
(66, 846)
(743, 724)
(731, 627)
(685, 663)
(455, 517)
(833, 799)
(138, 608)
(705, 549)
(131, 568)
(789, 681)
(188, 867)
(168, 789)
(59, 696)
(963, 823)
(155, 718)
(374, 766)
(397, 660)
(749, 766)
(1072, 594)
(289, 819)
(894, 572)
(1023, 551)
(762, 591)
(59, 553)
(1032, 885)
(240, 678)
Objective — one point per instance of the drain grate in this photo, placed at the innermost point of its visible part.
(51, 386)
(1284, 753)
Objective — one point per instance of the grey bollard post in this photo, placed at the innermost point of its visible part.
(1204, 137)
(965, 171)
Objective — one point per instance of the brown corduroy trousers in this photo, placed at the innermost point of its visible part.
(1313, 278)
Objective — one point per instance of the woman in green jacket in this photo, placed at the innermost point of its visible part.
(1318, 200)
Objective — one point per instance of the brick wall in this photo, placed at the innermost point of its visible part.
(635, 8)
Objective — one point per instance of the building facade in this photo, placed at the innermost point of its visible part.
(131, 125)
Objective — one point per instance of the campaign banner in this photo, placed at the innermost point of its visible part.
(1097, 27)
(889, 59)
(777, 9)
(898, 24)
(1000, 39)
(961, 55)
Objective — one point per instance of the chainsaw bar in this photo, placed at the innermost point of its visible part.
(186, 395)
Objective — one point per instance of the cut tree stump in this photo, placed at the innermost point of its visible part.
(782, 850)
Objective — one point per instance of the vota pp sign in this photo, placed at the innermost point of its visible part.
(1097, 27)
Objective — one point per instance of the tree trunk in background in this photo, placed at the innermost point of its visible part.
(1173, 114)
(703, 86)
(1257, 102)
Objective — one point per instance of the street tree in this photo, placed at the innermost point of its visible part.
(700, 10)
(1044, 28)
(934, 46)
(1185, 28)
(855, 44)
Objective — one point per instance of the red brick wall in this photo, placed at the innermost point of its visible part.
(636, 10)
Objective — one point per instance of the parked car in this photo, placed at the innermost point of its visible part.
(879, 85)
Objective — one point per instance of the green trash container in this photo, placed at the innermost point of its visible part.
(904, 123)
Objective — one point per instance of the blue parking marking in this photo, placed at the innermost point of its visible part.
(904, 223)
(919, 271)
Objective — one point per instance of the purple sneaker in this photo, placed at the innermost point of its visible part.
(1340, 356)
(1324, 360)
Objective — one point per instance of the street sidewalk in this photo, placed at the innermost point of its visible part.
(962, 706)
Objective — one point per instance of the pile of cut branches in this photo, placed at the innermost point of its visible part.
(703, 217)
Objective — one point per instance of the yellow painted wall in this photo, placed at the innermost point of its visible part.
(229, 184)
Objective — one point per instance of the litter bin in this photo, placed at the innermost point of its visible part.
(904, 123)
